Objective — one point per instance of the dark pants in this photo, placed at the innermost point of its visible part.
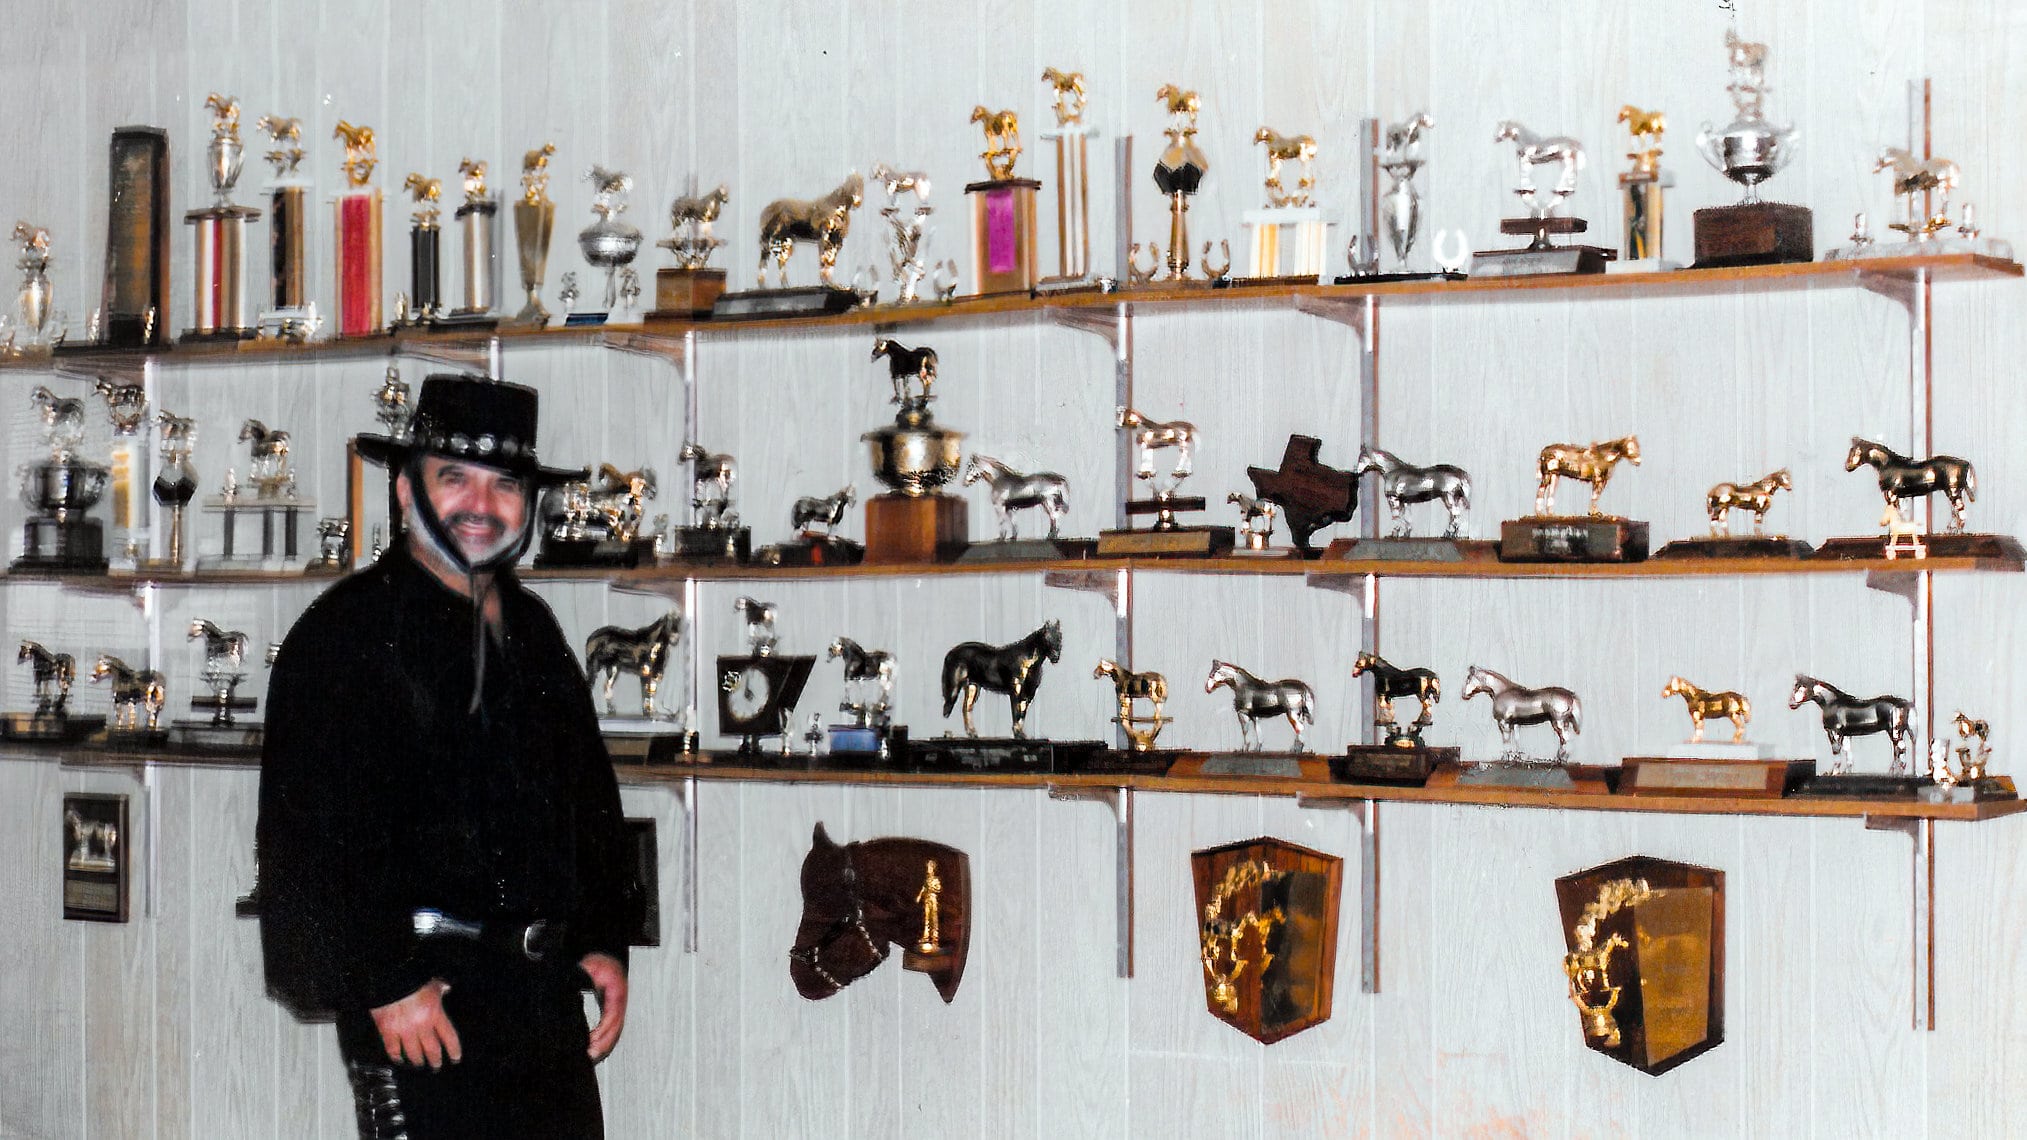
(525, 1073)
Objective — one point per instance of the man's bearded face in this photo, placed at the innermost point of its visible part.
(482, 508)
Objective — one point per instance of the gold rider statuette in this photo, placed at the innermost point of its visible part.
(930, 896)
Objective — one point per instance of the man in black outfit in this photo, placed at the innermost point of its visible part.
(443, 863)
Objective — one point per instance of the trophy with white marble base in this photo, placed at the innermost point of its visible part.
(1291, 241)
(1642, 187)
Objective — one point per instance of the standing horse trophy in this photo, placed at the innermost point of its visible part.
(1013, 491)
(1902, 481)
(714, 533)
(1002, 211)
(644, 654)
(1071, 136)
(1168, 535)
(1546, 536)
(1515, 706)
(138, 698)
(1749, 150)
(51, 719)
(597, 522)
(1642, 187)
(1400, 757)
(815, 519)
(914, 457)
(1970, 780)
(1140, 728)
(824, 222)
(1178, 173)
(1255, 699)
(273, 513)
(869, 733)
(1290, 238)
(1845, 716)
(758, 690)
(688, 289)
(1402, 485)
(1546, 219)
(1755, 498)
(1702, 767)
(224, 668)
(973, 668)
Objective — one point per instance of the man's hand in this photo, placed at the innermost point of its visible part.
(415, 1029)
(608, 977)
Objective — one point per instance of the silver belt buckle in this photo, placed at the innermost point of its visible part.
(529, 935)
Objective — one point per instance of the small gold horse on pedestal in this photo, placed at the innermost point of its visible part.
(1591, 465)
(1722, 706)
(1131, 686)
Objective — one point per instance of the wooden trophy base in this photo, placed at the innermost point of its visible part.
(1574, 538)
(1166, 538)
(1751, 546)
(1533, 775)
(49, 728)
(133, 739)
(638, 740)
(1696, 776)
(1864, 786)
(765, 304)
(1541, 258)
(1131, 762)
(1003, 235)
(1753, 233)
(1390, 764)
(710, 544)
(603, 552)
(812, 549)
(686, 294)
(2000, 546)
(1977, 791)
(1411, 550)
(915, 528)
(1029, 550)
(208, 736)
(998, 754)
(1306, 766)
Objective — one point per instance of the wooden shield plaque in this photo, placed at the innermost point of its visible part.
(1645, 966)
(1267, 935)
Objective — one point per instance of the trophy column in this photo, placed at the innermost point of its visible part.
(425, 254)
(356, 214)
(534, 222)
(479, 225)
(290, 313)
(1071, 136)
(219, 300)
(127, 406)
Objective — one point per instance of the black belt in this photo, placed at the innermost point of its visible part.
(532, 940)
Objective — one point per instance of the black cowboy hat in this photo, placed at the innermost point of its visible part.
(473, 420)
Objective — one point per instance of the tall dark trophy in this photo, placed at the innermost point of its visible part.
(220, 228)
(424, 300)
(1749, 151)
(175, 485)
(290, 313)
(134, 310)
(59, 489)
(915, 457)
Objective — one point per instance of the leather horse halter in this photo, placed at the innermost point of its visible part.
(850, 922)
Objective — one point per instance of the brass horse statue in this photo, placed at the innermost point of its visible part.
(1757, 497)
(1287, 148)
(359, 159)
(644, 652)
(1591, 465)
(1002, 140)
(824, 220)
(1130, 686)
(1702, 705)
(1068, 88)
(134, 691)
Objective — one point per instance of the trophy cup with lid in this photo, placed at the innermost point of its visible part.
(58, 538)
(914, 521)
(356, 218)
(1071, 136)
(1749, 150)
(424, 300)
(689, 288)
(273, 502)
(1002, 210)
(175, 484)
(290, 315)
(607, 243)
(1290, 237)
(1546, 219)
(220, 228)
(36, 326)
(1642, 186)
(534, 222)
(478, 221)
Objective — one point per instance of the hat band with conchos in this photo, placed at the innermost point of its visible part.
(474, 420)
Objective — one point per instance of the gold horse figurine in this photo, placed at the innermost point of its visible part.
(1756, 496)
(426, 192)
(1002, 141)
(1182, 109)
(1720, 706)
(1646, 128)
(1287, 148)
(1591, 465)
(1129, 687)
(1068, 88)
(359, 154)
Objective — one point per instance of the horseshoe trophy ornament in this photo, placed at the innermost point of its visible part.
(1545, 219)
(1002, 211)
(1749, 150)
(1454, 261)
(1546, 536)
(1645, 960)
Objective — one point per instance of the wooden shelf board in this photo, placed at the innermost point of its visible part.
(1656, 568)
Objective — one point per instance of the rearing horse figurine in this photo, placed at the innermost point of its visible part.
(1724, 706)
(1902, 478)
(1514, 705)
(1591, 465)
(1846, 716)
(1254, 700)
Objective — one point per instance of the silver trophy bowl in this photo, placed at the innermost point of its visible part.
(1748, 151)
(913, 455)
(55, 488)
(608, 243)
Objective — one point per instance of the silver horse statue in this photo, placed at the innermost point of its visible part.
(1150, 436)
(1403, 483)
(1254, 700)
(1013, 491)
(1531, 150)
(1514, 705)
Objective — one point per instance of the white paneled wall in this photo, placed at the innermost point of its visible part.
(159, 1028)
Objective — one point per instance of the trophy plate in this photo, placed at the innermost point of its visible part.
(1390, 278)
(1390, 764)
(1170, 542)
(762, 304)
(915, 528)
(1863, 786)
(638, 740)
(998, 754)
(1131, 762)
(133, 739)
(2003, 546)
(208, 736)
(1977, 791)
(1645, 967)
(1572, 538)
(1535, 775)
(53, 728)
(1756, 546)
(1305, 766)
(686, 294)
(456, 321)
(1753, 233)
(609, 552)
(1557, 260)
(1029, 550)
(1003, 235)
(1411, 550)
(710, 544)
(859, 748)
(1697, 776)
(812, 550)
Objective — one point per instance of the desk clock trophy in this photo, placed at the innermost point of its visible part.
(274, 502)
(607, 243)
(1545, 536)
(290, 314)
(1699, 767)
(1290, 238)
(139, 695)
(58, 538)
(1140, 728)
(51, 721)
(1513, 706)
(1002, 211)
(870, 737)
(534, 224)
(220, 228)
(1255, 700)
(598, 522)
(1970, 780)
(1545, 221)
(757, 692)
(219, 730)
(1167, 536)
(1749, 151)
(1015, 669)
(714, 533)
(1641, 187)
(688, 289)
(357, 235)
(1307, 494)
(1400, 758)
(811, 546)
(654, 736)
(914, 521)
(1846, 716)
(1902, 480)
(36, 327)
(824, 221)
(1071, 136)
(1757, 497)
(1013, 491)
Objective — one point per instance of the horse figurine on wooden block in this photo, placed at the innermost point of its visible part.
(643, 652)
(1591, 465)
(1702, 705)
(134, 691)
(1902, 478)
(1254, 700)
(1846, 716)
(1016, 670)
(1514, 705)
(1757, 497)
